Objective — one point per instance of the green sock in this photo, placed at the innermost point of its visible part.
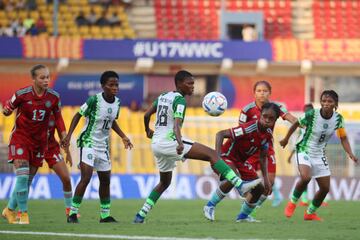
(104, 208)
(22, 188)
(67, 198)
(76, 202)
(226, 172)
(304, 197)
(149, 203)
(295, 196)
(314, 205)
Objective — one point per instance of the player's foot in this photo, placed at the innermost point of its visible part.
(249, 218)
(324, 204)
(312, 217)
(67, 213)
(108, 219)
(289, 209)
(138, 219)
(276, 201)
(246, 186)
(209, 213)
(73, 218)
(303, 204)
(24, 218)
(9, 215)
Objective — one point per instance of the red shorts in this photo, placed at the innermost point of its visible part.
(247, 172)
(53, 156)
(254, 161)
(19, 151)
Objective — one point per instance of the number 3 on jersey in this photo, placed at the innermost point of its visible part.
(38, 115)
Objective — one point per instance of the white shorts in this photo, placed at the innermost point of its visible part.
(99, 160)
(319, 164)
(166, 155)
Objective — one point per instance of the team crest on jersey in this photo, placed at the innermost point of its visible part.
(19, 151)
(90, 156)
(51, 123)
(109, 110)
(325, 125)
(48, 104)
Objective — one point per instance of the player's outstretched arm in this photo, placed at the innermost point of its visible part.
(292, 129)
(346, 145)
(290, 118)
(74, 122)
(220, 138)
(147, 117)
(125, 139)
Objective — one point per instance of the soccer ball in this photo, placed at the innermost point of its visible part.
(214, 103)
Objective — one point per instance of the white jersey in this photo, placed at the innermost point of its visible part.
(169, 106)
(318, 132)
(99, 119)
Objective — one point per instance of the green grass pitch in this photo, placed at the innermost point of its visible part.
(184, 219)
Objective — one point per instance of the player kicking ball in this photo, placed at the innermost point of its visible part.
(169, 146)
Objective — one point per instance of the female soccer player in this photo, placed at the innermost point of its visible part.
(100, 111)
(34, 106)
(169, 146)
(310, 152)
(244, 141)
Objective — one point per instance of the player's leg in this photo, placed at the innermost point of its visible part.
(305, 177)
(201, 152)
(164, 183)
(104, 195)
(86, 174)
(62, 172)
(304, 198)
(324, 186)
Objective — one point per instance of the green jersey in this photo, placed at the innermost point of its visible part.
(99, 119)
(169, 106)
(318, 131)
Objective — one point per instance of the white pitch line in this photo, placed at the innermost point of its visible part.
(114, 236)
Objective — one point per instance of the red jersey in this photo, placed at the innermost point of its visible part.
(252, 112)
(55, 124)
(32, 117)
(245, 141)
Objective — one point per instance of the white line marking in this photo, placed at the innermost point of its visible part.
(115, 236)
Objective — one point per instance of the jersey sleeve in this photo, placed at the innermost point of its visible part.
(118, 111)
(237, 132)
(283, 110)
(243, 117)
(85, 109)
(306, 118)
(340, 129)
(14, 102)
(179, 107)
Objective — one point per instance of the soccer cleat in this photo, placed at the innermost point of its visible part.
(209, 213)
(73, 218)
(249, 219)
(289, 209)
(246, 186)
(108, 219)
(276, 201)
(138, 219)
(9, 215)
(24, 218)
(303, 204)
(67, 213)
(312, 217)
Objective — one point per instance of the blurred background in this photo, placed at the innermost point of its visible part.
(301, 47)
